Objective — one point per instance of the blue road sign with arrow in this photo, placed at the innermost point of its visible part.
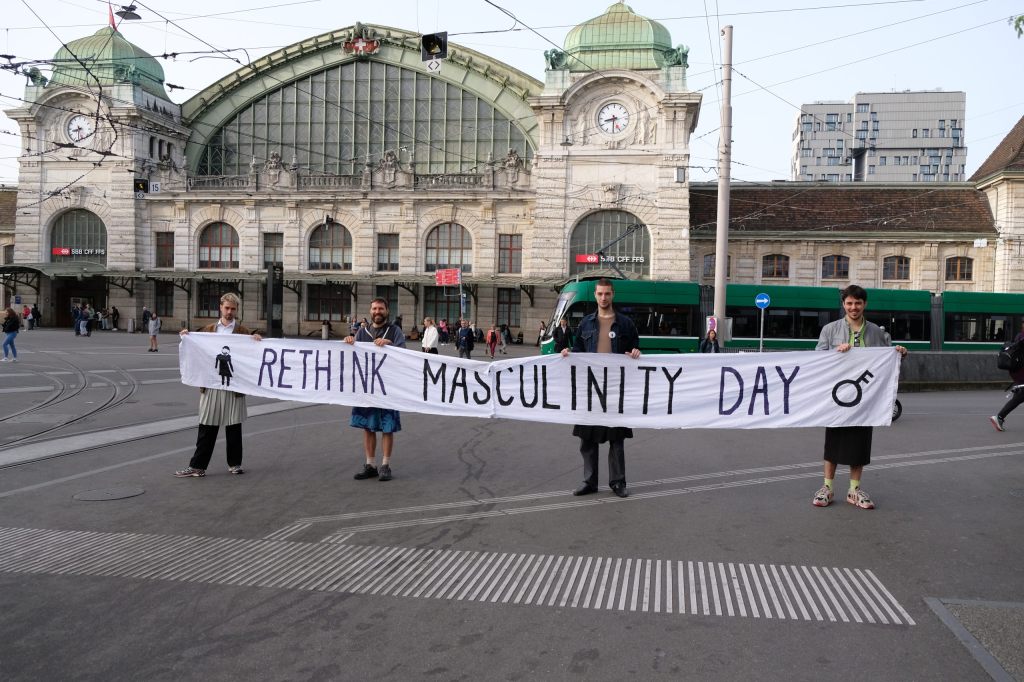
(762, 301)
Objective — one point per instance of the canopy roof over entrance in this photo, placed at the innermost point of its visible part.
(69, 269)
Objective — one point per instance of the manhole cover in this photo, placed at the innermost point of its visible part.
(104, 494)
(168, 404)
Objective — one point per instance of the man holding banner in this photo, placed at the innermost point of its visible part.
(219, 407)
(605, 331)
(380, 332)
(850, 445)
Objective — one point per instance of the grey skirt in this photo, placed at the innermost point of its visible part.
(221, 408)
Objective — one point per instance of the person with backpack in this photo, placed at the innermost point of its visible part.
(1011, 358)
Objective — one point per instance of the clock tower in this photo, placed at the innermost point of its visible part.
(614, 120)
(102, 119)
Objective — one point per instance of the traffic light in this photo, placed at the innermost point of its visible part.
(434, 46)
(141, 185)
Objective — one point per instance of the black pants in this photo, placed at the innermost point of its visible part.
(616, 461)
(208, 438)
(1016, 399)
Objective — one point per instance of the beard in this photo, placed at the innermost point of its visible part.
(379, 319)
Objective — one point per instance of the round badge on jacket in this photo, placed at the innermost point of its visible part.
(611, 335)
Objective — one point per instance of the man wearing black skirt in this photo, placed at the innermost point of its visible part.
(850, 445)
(605, 331)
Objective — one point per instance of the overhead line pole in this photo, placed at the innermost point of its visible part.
(724, 165)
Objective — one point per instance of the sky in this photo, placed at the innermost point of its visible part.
(785, 53)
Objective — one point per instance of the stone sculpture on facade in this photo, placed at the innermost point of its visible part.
(678, 56)
(389, 166)
(513, 164)
(556, 60)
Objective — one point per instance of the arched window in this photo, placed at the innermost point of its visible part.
(330, 248)
(78, 235)
(332, 121)
(775, 266)
(896, 267)
(449, 245)
(218, 246)
(597, 230)
(835, 267)
(959, 269)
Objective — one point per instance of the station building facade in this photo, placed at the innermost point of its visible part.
(347, 161)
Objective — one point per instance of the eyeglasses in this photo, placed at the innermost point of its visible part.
(856, 338)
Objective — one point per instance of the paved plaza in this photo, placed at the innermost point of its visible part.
(476, 562)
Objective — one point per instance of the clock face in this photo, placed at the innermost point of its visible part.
(80, 128)
(613, 118)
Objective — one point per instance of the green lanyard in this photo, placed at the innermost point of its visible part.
(857, 338)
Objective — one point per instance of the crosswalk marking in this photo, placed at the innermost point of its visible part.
(631, 584)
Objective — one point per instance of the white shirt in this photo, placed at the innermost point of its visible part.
(225, 329)
(430, 337)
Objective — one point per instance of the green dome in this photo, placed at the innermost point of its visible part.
(618, 39)
(111, 59)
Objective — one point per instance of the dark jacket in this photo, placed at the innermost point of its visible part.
(465, 340)
(563, 338)
(11, 324)
(624, 340)
(710, 346)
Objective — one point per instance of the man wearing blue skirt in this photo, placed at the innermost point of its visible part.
(380, 332)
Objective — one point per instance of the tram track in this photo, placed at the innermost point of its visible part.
(65, 391)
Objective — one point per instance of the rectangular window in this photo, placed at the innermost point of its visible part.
(874, 115)
(834, 161)
(914, 133)
(804, 153)
(863, 108)
(849, 118)
(273, 248)
(896, 267)
(871, 170)
(509, 303)
(8, 254)
(389, 294)
(208, 300)
(387, 252)
(926, 132)
(959, 269)
(510, 253)
(442, 303)
(862, 134)
(163, 303)
(833, 177)
(881, 160)
(331, 302)
(164, 250)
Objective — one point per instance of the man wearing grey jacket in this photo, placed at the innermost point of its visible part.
(850, 445)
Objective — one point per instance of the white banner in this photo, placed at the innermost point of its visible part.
(715, 390)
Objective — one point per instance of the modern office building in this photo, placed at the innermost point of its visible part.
(909, 136)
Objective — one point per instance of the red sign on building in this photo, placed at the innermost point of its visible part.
(590, 258)
(361, 46)
(448, 277)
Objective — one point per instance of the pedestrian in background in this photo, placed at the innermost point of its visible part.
(540, 334)
(710, 343)
(115, 315)
(26, 313)
(37, 317)
(464, 340)
(492, 341)
(76, 319)
(154, 329)
(1016, 397)
(430, 336)
(145, 320)
(10, 329)
(562, 336)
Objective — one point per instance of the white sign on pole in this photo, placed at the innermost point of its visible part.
(434, 66)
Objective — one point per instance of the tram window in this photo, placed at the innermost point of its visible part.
(675, 321)
(810, 322)
(744, 322)
(976, 327)
(778, 324)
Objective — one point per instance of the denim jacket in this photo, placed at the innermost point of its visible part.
(625, 339)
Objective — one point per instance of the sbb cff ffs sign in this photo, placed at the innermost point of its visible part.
(448, 277)
(595, 258)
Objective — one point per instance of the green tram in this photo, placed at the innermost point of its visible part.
(670, 315)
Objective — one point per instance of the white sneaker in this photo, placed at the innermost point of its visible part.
(997, 422)
(3, 360)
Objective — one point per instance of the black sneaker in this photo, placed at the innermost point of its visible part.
(385, 472)
(369, 471)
